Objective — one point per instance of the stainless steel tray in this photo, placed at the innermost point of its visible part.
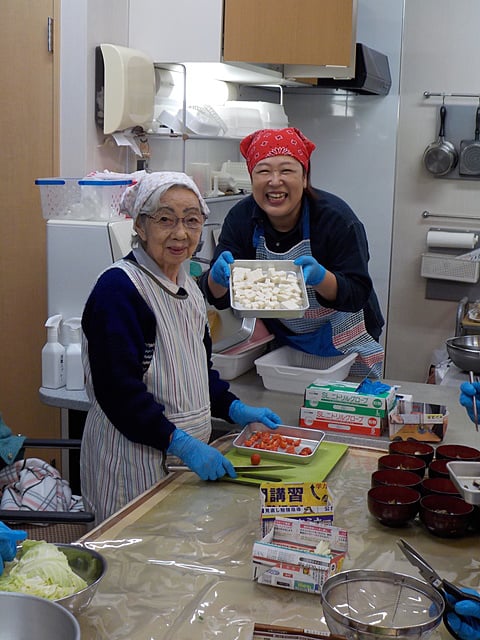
(279, 265)
(466, 477)
(230, 331)
(308, 438)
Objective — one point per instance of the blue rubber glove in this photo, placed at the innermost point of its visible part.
(465, 622)
(220, 270)
(8, 543)
(242, 414)
(313, 272)
(470, 393)
(205, 460)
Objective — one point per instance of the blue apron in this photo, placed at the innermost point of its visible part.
(323, 331)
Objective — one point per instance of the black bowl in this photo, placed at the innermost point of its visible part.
(413, 448)
(393, 505)
(457, 452)
(446, 516)
(399, 477)
(397, 461)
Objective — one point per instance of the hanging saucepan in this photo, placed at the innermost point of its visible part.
(469, 164)
(440, 157)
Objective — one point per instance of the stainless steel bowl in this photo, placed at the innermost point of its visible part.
(464, 351)
(89, 565)
(25, 616)
(367, 604)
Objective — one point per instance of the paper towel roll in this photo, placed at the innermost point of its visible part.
(452, 239)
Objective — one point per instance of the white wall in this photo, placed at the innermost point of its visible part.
(356, 139)
(441, 51)
(84, 25)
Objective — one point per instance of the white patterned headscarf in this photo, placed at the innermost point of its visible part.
(147, 184)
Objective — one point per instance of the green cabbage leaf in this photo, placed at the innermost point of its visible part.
(41, 569)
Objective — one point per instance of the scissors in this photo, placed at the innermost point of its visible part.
(444, 587)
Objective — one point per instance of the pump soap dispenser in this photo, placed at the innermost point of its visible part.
(75, 378)
(53, 356)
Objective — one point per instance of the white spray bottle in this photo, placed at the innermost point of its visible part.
(75, 377)
(53, 356)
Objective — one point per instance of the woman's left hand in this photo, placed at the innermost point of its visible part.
(243, 414)
(313, 271)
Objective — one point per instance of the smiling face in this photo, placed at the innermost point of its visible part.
(169, 247)
(277, 187)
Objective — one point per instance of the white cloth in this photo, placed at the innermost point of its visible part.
(146, 184)
(34, 485)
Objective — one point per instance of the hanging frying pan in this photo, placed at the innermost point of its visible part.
(469, 164)
(440, 157)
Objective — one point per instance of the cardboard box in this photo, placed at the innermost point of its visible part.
(418, 420)
(340, 422)
(286, 557)
(344, 393)
(310, 501)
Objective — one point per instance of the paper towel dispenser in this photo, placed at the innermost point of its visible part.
(124, 88)
(372, 74)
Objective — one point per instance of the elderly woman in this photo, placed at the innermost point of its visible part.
(285, 218)
(147, 355)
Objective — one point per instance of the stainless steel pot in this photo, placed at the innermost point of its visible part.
(440, 157)
(464, 351)
(469, 164)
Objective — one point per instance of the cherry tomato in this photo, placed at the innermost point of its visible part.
(255, 458)
(306, 451)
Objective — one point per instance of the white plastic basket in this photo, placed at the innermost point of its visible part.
(81, 199)
(439, 266)
(290, 370)
(230, 366)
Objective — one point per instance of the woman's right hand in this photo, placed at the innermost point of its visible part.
(220, 270)
(205, 460)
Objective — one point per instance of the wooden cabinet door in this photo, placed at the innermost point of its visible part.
(28, 117)
(299, 32)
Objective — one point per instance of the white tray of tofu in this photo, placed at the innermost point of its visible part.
(267, 289)
(466, 477)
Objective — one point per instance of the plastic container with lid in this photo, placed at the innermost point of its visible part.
(81, 199)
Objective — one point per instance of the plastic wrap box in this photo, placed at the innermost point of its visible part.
(286, 557)
(309, 501)
(343, 396)
(340, 422)
(418, 420)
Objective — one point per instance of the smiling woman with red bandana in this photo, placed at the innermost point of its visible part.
(285, 218)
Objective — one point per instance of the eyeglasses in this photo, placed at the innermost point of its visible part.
(192, 221)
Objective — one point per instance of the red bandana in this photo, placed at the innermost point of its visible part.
(266, 143)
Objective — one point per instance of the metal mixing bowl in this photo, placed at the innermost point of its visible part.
(89, 565)
(25, 616)
(464, 351)
(368, 605)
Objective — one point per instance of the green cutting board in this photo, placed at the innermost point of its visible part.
(325, 458)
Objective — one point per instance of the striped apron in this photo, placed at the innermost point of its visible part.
(114, 470)
(323, 331)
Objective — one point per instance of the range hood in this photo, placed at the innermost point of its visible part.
(372, 74)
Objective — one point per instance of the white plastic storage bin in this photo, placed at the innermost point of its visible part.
(290, 370)
(81, 199)
(234, 365)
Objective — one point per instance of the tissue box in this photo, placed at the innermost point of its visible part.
(309, 501)
(343, 396)
(340, 422)
(286, 557)
(418, 420)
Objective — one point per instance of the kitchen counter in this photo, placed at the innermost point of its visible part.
(179, 555)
